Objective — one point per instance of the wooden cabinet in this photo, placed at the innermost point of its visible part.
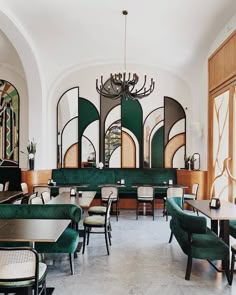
(32, 177)
(187, 178)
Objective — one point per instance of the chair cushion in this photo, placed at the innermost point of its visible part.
(67, 243)
(94, 220)
(12, 284)
(97, 209)
(189, 196)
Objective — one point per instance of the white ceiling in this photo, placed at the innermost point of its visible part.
(164, 33)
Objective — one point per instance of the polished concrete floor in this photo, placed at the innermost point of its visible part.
(141, 262)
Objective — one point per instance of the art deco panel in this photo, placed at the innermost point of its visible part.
(9, 124)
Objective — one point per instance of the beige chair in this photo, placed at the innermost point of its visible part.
(193, 194)
(173, 192)
(64, 189)
(41, 189)
(46, 197)
(24, 188)
(20, 270)
(32, 196)
(96, 221)
(6, 186)
(36, 200)
(106, 192)
(145, 195)
(1, 187)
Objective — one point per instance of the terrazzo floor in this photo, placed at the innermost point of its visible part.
(141, 262)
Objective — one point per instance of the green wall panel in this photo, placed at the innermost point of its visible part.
(158, 149)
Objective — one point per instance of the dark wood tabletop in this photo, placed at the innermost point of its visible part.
(9, 196)
(227, 210)
(84, 201)
(32, 230)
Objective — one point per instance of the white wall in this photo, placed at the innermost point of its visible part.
(167, 84)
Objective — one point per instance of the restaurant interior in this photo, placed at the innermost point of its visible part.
(117, 147)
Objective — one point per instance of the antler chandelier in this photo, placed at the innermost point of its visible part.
(123, 85)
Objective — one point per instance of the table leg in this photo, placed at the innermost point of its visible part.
(214, 226)
(224, 231)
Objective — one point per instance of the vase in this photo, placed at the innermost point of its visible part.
(31, 164)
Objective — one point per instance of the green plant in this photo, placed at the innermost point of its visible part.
(31, 147)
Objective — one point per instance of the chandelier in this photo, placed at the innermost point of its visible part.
(124, 85)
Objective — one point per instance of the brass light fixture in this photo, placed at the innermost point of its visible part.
(123, 85)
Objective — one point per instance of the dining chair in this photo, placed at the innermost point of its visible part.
(24, 188)
(32, 196)
(64, 189)
(20, 270)
(6, 186)
(98, 221)
(36, 200)
(145, 195)
(40, 189)
(193, 194)
(1, 187)
(106, 192)
(46, 197)
(173, 192)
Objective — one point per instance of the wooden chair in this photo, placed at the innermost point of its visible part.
(193, 194)
(20, 270)
(96, 221)
(145, 195)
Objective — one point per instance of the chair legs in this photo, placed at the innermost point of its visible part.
(171, 237)
(189, 268)
(72, 268)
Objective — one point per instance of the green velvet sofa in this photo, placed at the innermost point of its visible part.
(95, 177)
(195, 238)
(67, 242)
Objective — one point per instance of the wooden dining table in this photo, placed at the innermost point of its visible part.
(222, 215)
(32, 230)
(83, 199)
(7, 197)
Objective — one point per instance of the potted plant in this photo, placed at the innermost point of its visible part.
(31, 148)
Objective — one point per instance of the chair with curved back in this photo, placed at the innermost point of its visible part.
(20, 270)
(145, 195)
(96, 221)
(46, 197)
(64, 189)
(193, 194)
(32, 196)
(40, 189)
(110, 191)
(24, 188)
(37, 200)
(6, 186)
(173, 192)
(1, 187)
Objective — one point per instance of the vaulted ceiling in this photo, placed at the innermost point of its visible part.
(171, 34)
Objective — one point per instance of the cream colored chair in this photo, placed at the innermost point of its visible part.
(106, 192)
(64, 189)
(36, 200)
(20, 270)
(145, 195)
(6, 186)
(1, 187)
(24, 188)
(173, 192)
(46, 197)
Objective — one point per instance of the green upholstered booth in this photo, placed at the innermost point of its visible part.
(195, 238)
(67, 242)
(95, 177)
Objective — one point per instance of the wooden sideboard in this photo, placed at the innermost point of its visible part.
(188, 177)
(32, 177)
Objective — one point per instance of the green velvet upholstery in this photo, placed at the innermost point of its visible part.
(95, 177)
(232, 228)
(67, 242)
(193, 236)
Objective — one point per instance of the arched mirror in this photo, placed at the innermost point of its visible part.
(9, 124)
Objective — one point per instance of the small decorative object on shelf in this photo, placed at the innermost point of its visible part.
(31, 148)
(72, 192)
